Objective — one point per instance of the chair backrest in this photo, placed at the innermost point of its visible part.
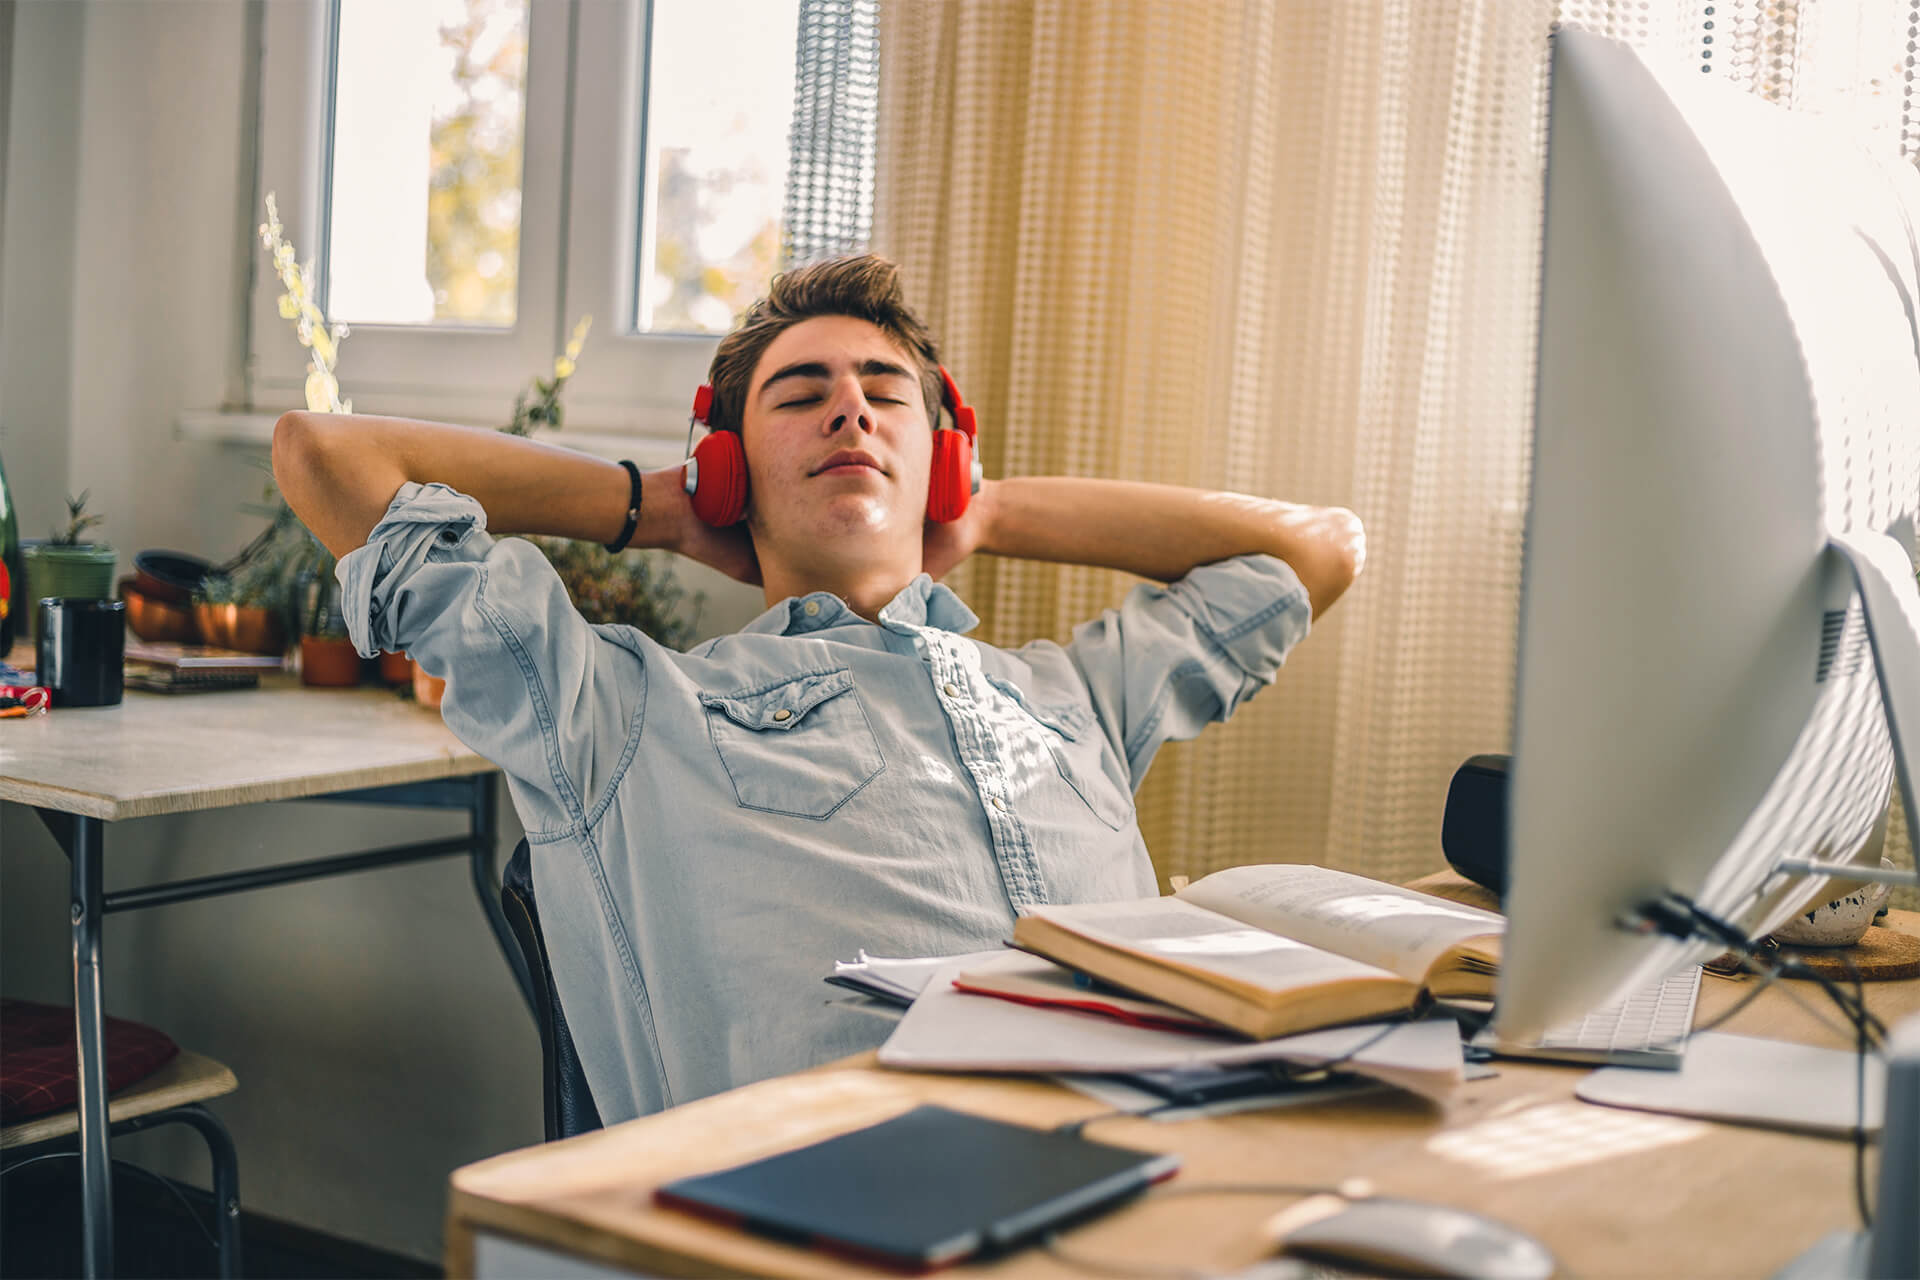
(563, 1085)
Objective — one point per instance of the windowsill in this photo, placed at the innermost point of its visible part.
(239, 427)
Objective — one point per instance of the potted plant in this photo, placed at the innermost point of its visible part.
(235, 614)
(64, 565)
(327, 656)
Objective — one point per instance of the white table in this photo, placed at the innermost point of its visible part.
(81, 768)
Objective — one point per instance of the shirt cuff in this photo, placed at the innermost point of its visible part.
(1253, 609)
(420, 519)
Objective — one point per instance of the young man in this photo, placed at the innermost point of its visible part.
(711, 829)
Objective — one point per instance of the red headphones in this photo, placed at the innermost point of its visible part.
(716, 473)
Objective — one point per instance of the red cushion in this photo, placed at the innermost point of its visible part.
(40, 1068)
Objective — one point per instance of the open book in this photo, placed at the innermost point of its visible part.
(1271, 950)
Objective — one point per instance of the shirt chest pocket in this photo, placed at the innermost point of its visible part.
(1078, 749)
(802, 747)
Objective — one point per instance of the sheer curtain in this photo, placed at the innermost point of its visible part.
(1290, 249)
(836, 85)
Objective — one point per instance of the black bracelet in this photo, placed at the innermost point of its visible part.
(633, 509)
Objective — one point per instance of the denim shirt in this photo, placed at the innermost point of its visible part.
(710, 830)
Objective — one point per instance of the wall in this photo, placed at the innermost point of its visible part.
(370, 1019)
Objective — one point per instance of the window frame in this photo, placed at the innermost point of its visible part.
(640, 382)
(586, 62)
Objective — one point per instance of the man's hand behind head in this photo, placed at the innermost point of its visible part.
(730, 550)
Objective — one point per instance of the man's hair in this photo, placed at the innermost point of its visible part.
(866, 288)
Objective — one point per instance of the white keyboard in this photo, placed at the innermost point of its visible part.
(1647, 1029)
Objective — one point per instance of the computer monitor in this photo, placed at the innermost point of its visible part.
(1728, 395)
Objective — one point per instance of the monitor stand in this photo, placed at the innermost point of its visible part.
(1892, 1248)
(1891, 600)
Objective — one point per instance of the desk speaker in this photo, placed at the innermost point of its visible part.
(1473, 834)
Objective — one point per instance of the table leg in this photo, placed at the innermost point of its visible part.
(85, 854)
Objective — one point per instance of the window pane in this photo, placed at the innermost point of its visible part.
(720, 104)
(429, 121)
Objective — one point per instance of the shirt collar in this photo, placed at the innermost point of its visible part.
(921, 603)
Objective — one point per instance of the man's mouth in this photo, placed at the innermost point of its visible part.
(849, 462)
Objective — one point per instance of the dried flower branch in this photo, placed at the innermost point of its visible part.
(309, 322)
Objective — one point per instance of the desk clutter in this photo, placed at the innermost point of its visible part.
(1272, 986)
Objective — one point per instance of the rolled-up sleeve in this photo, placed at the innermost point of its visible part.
(531, 685)
(1173, 659)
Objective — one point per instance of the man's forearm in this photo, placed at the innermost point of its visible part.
(339, 472)
(1162, 531)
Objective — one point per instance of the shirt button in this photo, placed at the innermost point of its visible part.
(1000, 804)
(783, 714)
(950, 690)
(811, 608)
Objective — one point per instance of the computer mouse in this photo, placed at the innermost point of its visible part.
(1409, 1237)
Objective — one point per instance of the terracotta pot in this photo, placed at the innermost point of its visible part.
(248, 628)
(395, 668)
(328, 662)
(427, 690)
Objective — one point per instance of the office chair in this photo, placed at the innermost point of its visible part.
(568, 1102)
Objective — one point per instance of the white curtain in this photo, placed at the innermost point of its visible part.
(1290, 249)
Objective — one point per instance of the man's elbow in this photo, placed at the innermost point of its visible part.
(315, 469)
(1340, 554)
(296, 449)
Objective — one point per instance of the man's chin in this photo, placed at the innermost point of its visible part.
(860, 517)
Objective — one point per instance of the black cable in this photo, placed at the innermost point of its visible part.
(1855, 1010)
(1869, 1031)
(1663, 917)
(1075, 1126)
(1284, 1073)
(1860, 1103)
(1767, 977)
(1300, 1073)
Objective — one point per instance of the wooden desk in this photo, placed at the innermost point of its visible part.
(83, 767)
(1654, 1195)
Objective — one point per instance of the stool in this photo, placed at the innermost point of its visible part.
(169, 1094)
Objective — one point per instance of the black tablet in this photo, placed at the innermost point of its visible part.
(925, 1189)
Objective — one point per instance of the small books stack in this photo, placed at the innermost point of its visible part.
(1266, 950)
(166, 667)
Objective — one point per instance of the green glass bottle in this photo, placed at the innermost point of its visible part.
(13, 572)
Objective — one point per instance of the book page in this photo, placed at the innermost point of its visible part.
(1372, 921)
(1185, 935)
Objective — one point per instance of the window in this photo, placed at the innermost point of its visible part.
(473, 176)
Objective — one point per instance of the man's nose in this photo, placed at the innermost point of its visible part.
(849, 408)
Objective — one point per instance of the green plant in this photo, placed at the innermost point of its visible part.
(321, 614)
(78, 522)
(539, 405)
(631, 590)
(269, 571)
(286, 568)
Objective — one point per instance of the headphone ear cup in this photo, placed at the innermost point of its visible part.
(720, 490)
(950, 479)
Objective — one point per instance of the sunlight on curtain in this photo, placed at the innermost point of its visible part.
(1285, 248)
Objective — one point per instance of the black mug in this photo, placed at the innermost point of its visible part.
(79, 650)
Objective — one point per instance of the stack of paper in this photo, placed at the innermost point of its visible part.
(948, 1029)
